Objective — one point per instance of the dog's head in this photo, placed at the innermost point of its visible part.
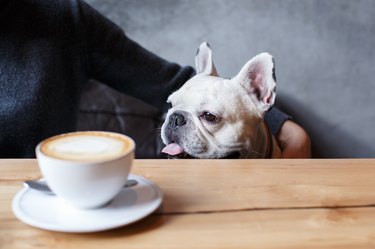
(213, 117)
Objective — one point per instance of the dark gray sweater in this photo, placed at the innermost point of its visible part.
(48, 51)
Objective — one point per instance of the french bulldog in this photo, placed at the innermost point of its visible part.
(213, 117)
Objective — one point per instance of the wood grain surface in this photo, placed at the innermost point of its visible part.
(325, 203)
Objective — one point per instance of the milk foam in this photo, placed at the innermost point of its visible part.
(86, 146)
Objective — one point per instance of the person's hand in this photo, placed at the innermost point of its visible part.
(293, 140)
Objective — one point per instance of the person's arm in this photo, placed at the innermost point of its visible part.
(121, 63)
(292, 139)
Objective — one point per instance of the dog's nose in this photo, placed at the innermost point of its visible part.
(176, 120)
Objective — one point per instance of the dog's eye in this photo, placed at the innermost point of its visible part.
(208, 116)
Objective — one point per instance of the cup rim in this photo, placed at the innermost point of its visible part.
(39, 152)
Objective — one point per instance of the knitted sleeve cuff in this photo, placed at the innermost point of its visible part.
(275, 119)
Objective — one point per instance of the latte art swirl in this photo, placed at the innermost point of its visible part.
(86, 146)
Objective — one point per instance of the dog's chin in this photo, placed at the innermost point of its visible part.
(181, 156)
(184, 155)
(176, 151)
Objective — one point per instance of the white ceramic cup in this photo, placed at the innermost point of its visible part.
(87, 169)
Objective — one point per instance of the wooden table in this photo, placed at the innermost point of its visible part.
(225, 204)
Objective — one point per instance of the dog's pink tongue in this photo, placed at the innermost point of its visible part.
(173, 149)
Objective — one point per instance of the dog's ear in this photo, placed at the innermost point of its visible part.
(203, 60)
(258, 77)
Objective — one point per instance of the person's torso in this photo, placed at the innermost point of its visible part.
(41, 75)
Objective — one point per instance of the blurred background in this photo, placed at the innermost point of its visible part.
(324, 53)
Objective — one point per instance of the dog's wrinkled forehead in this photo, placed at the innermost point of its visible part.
(196, 90)
(221, 97)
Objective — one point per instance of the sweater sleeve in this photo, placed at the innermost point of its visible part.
(275, 119)
(116, 60)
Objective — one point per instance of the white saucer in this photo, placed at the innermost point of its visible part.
(47, 211)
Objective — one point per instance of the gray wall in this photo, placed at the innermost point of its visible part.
(324, 52)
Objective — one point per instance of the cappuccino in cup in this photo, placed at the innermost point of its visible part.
(88, 168)
(90, 146)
